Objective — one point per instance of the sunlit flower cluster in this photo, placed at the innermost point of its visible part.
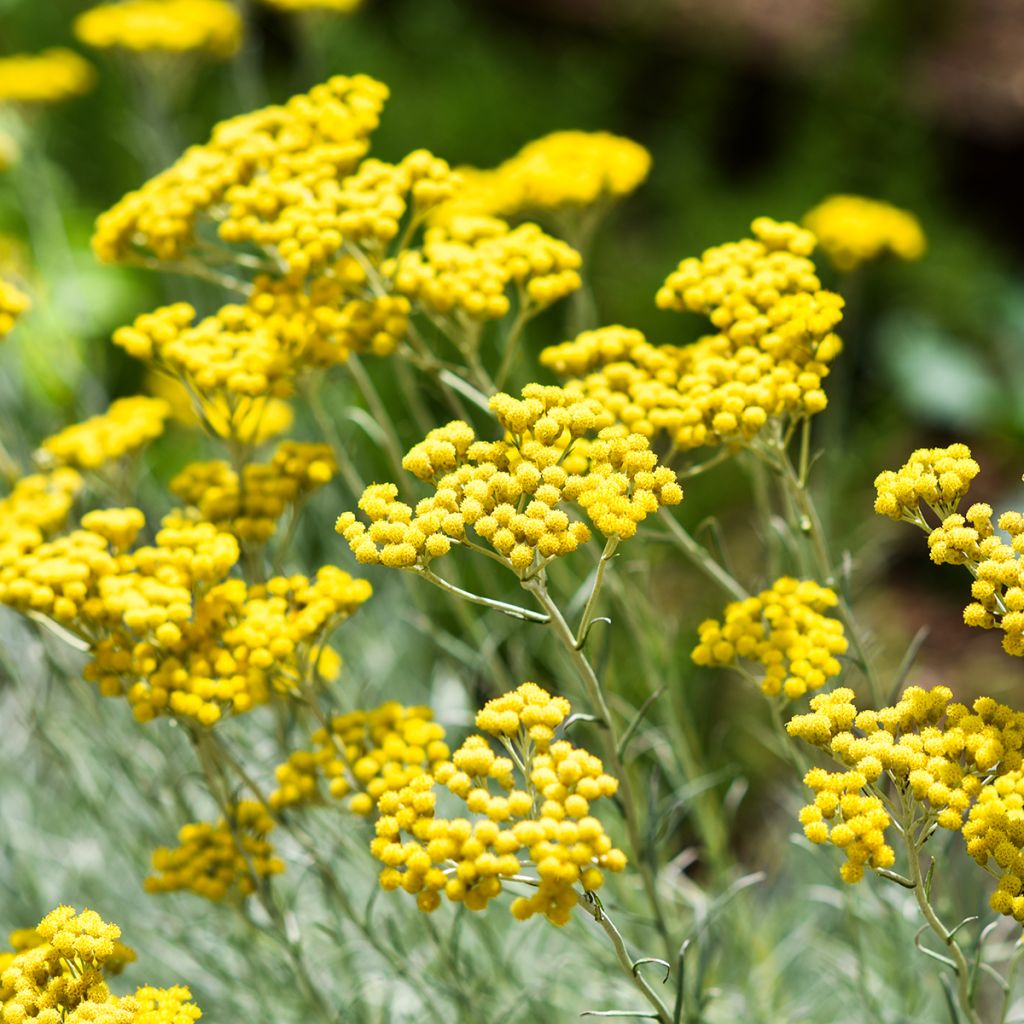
(264, 177)
(126, 427)
(936, 477)
(994, 831)
(251, 508)
(13, 303)
(938, 752)
(37, 507)
(536, 825)
(773, 348)
(514, 493)
(468, 266)
(167, 627)
(364, 755)
(212, 27)
(561, 173)
(215, 860)
(852, 230)
(48, 77)
(57, 975)
(784, 631)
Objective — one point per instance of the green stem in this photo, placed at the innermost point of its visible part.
(701, 558)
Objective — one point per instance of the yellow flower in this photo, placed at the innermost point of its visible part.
(537, 824)
(13, 304)
(852, 230)
(49, 77)
(213, 27)
(784, 630)
(936, 477)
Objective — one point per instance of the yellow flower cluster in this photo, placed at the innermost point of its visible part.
(775, 343)
(560, 173)
(994, 830)
(127, 426)
(940, 753)
(48, 77)
(784, 630)
(852, 230)
(365, 754)
(13, 303)
(333, 6)
(165, 1005)
(57, 975)
(215, 860)
(29, 938)
(511, 492)
(37, 507)
(938, 477)
(266, 178)
(546, 819)
(250, 509)
(213, 27)
(467, 266)
(251, 421)
(166, 625)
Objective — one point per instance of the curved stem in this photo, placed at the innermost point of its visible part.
(499, 606)
(701, 558)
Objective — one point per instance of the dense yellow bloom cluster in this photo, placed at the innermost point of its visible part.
(213, 860)
(560, 173)
(940, 478)
(333, 6)
(37, 507)
(773, 348)
(13, 303)
(252, 421)
(128, 425)
(213, 27)
(511, 492)
(783, 629)
(994, 830)
(264, 177)
(48, 77)
(364, 755)
(167, 626)
(852, 230)
(937, 477)
(468, 265)
(938, 752)
(251, 508)
(544, 817)
(57, 975)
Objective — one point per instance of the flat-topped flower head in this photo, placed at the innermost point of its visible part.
(853, 230)
(517, 494)
(936, 477)
(209, 27)
(784, 631)
(52, 76)
(528, 813)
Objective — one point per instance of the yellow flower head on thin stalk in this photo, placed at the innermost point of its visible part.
(561, 173)
(467, 267)
(251, 422)
(52, 76)
(57, 975)
(775, 341)
(515, 494)
(784, 631)
(210, 27)
(939, 753)
(269, 178)
(221, 859)
(14, 303)
(126, 427)
(938, 479)
(853, 230)
(168, 627)
(536, 822)
(364, 755)
(252, 510)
